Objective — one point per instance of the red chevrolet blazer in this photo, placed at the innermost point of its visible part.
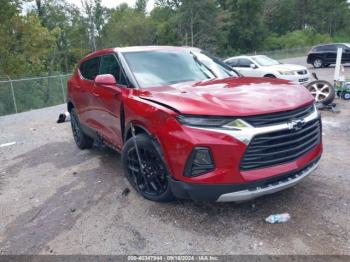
(189, 126)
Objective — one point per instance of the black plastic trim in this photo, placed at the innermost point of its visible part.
(211, 192)
(189, 164)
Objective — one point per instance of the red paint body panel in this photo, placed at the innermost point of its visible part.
(241, 96)
(100, 109)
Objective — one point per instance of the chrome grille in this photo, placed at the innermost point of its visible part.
(280, 117)
(281, 146)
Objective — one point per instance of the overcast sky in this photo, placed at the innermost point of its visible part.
(106, 3)
(114, 3)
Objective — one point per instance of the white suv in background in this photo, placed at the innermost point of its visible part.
(263, 66)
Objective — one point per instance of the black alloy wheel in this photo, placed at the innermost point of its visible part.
(81, 139)
(153, 182)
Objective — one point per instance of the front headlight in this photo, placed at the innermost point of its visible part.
(221, 122)
(286, 73)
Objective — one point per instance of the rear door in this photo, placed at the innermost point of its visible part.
(88, 71)
(109, 101)
(330, 53)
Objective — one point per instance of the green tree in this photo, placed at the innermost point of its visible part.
(163, 20)
(120, 30)
(279, 16)
(24, 43)
(247, 30)
(95, 17)
(328, 16)
(140, 6)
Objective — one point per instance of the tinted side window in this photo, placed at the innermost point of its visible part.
(110, 65)
(345, 48)
(326, 48)
(321, 48)
(89, 69)
(332, 48)
(232, 62)
(243, 62)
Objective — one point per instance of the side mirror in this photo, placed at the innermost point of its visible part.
(106, 79)
(253, 66)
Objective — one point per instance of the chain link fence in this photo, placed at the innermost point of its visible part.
(19, 95)
(24, 94)
(284, 53)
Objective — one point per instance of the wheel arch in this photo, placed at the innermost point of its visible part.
(138, 130)
(141, 129)
(318, 57)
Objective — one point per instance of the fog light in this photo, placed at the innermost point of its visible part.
(199, 162)
(202, 157)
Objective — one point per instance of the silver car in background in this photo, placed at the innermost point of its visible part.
(263, 66)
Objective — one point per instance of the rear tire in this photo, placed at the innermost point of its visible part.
(154, 183)
(317, 63)
(82, 140)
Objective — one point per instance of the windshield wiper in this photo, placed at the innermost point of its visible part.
(195, 58)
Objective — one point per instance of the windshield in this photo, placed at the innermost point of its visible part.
(265, 61)
(157, 68)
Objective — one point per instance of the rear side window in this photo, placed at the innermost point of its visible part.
(332, 48)
(319, 49)
(89, 69)
(110, 65)
(243, 62)
(326, 48)
(232, 62)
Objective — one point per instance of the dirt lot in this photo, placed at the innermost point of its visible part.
(56, 199)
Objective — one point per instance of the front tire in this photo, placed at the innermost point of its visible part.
(153, 184)
(81, 139)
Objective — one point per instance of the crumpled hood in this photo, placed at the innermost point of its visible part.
(241, 96)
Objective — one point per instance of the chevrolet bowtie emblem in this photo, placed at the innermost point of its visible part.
(296, 124)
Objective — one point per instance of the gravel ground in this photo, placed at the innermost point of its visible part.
(56, 199)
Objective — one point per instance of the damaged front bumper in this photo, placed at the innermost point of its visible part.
(242, 192)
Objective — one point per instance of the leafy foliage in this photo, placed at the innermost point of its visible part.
(54, 35)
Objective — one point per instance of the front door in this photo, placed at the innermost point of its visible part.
(244, 67)
(109, 101)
